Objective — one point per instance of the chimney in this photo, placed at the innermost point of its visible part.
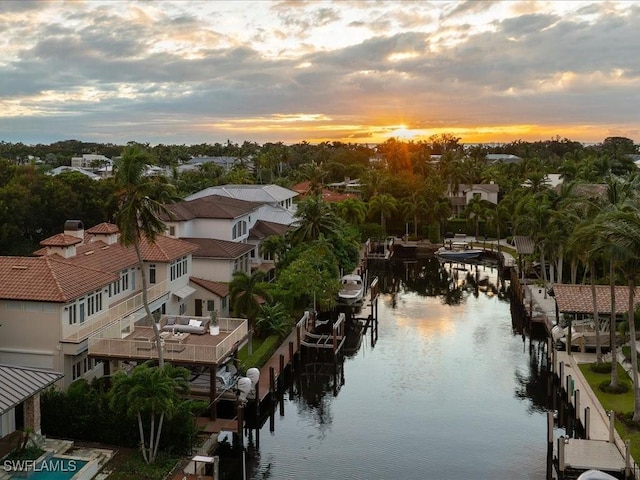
(75, 228)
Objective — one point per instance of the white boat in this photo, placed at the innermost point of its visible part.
(458, 251)
(595, 475)
(352, 290)
(583, 334)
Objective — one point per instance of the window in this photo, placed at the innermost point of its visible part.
(223, 303)
(178, 268)
(152, 273)
(172, 231)
(72, 314)
(182, 309)
(87, 364)
(81, 310)
(211, 305)
(76, 371)
(124, 279)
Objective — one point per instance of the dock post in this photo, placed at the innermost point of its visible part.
(587, 423)
(291, 350)
(560, 372)
(549, 348)
(568, 388)
(554, 359)
(627, 458)
(240, 416)
(576, 403)
(216, 467)
(213, 415)
(612, 424)
(561, 466)
(281, 373)
(549, 444)
(258, 401)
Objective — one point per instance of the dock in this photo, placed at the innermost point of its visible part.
(596, 445)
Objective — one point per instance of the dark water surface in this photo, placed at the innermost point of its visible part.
(446, 393)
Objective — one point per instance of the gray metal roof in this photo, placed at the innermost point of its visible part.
(524, 245)
(251, 193)
(17, 384)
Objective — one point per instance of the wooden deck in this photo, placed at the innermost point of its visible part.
(194, 349)
(593, 455)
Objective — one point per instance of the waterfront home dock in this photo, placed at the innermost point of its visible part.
(602, 448)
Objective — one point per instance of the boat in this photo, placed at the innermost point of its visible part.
(583, 334)
(458, 252)
(352, 290)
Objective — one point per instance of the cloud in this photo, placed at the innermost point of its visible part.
(172, 71)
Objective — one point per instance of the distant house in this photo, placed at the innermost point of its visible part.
(229, 231)
(330, 196)
(465, 193)
(98, 164)
(226, 163)
(65, 169)
(502, 158)
(274, 195)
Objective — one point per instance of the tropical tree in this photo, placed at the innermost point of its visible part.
(476, 210)
(352, 210)
(151, 392)
(244, 291)
(315, 218)
(622, 227)
(273, 246)
(141, 201)
(413, 206)
(384, 205)
(273, 318)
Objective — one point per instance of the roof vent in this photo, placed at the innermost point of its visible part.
(19, 267)
(71, 225)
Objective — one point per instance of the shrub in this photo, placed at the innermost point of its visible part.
(604, 367)
(263, 353)
(605, 387)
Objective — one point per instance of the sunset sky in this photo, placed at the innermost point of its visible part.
(353, 71)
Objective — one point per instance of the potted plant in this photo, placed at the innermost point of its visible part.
(214, 327)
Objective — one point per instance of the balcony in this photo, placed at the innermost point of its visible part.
(78, 332)
(126, 341)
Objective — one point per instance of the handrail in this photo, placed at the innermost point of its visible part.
(117, 311)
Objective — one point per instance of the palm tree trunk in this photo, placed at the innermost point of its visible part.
(156, 441)
(415, 226)
(596, 316)
(143, 443)
(152, 437)
(613, 329)
(634, 352)
(544, 272)
(145, 301)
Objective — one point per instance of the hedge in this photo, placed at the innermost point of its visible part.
(263, 353)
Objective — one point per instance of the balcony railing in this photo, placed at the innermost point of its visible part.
(78, 332)
(123, 340)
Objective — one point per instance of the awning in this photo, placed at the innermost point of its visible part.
(184, 292)
(17, 384)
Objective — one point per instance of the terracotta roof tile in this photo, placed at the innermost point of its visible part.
(60, 240)
(214, 248)
(165, 249)
(219, 288)
(578, 298)
(48, 279)
(103, 228)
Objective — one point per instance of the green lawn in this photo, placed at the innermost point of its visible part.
(622, 403)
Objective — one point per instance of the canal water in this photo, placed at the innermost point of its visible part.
(450, 391)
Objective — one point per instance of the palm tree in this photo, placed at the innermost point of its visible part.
(149, 391)
(622, 227)
(274, 319)
(476, 210)
(383, 204)
(273, 246)
(315, 218)
(244, 291)
(352, 210)
(413, 206)
(141, 202)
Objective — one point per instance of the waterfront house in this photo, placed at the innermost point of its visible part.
(81, 282)
(461, 196)
(230, 230)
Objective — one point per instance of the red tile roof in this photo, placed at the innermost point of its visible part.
(219, 288)
(48, 279)
(165, 249)
(579, 299)
(60, 240)
(103, 228)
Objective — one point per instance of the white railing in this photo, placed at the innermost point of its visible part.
(76, 333)
(109, 343)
